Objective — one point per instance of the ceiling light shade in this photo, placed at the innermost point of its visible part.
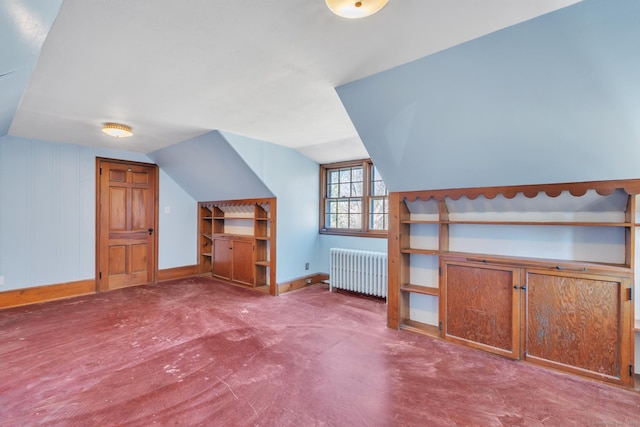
(355, 9)
(117, 130)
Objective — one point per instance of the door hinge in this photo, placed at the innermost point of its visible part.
(440, 326)
(100, 275)
(100, 171)
(631, 371)
(630, 294)
(440, 271)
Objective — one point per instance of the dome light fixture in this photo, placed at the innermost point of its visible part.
(117, 130)
(352, 9)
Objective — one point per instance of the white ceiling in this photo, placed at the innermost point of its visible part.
(263, 69)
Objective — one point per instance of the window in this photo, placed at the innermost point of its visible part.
(353, 199)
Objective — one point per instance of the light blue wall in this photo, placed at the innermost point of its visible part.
(347, 242)
(294, 180)
(47, 213)
(209, 169)
(554, 99)
(178, 229)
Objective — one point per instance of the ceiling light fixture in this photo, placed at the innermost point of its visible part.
(355, 9)
(117, 130)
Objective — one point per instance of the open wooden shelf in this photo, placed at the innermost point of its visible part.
(424, 290)
(420, 251)
(607, 216)
(539, 223)
(420, 328)
(420, 221)
(237, 237)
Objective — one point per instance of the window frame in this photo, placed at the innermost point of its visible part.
(367, 173)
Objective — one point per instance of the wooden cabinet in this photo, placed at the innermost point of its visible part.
(233, 259)
(568, 320)
(574, 321)
(237, 241)
(482, 306)
(542, 273)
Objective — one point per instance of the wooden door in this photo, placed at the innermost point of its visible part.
(127, 200)
(222, 258)
(577, 322)
(243, 261)
(481, 304)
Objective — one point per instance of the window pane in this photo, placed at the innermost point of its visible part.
(378, 218)
(332, 190)
(342, 221)
(379, 189)
(345, 190)
(343, 206)
(375, 176)
(378, 221)
(356, 189)
(331, 206)
(356, 175)
(330, 221)
(355, 221)
(355, 206)
(345, 175)
(333, 177)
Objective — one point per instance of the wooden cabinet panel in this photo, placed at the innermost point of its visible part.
(575, 320)
(480, 307)
(222, 258)
(242, 264)
(233, 259)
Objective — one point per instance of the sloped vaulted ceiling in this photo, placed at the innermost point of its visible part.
(263, 69)
(554, 99)
(24, 25)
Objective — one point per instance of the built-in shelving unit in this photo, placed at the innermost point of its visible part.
(237, 241)
(450, 251)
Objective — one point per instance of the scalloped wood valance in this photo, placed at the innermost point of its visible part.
(239, 202)
(603, 188)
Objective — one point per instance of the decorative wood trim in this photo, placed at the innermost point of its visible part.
(615, 270)
(26, 296)
(301, 282)
(394, 243)
(177, 272)
(604, 188)
(273, 208)
(239, 202)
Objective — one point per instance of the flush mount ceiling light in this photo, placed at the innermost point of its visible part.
(355, 9)
(117, 130)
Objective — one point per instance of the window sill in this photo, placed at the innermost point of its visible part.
(333, 232)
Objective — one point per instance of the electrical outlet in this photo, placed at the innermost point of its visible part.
(306, 266)
(167, 209)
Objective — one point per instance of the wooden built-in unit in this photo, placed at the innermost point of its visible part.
(543, 273)
(237, 241)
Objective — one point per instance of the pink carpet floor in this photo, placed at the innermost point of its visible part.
(200, 352)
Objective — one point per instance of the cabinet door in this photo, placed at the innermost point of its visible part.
(575, 322)
(242, 270)
(481, 304)
(222, 258)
